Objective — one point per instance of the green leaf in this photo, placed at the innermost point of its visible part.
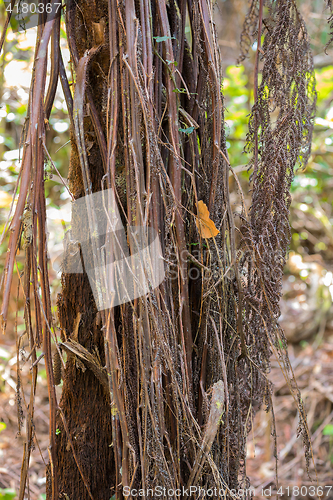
(163, 38)
(7, 494)
(42, 373)
(171, 62)
(2, 426)
(58, 431)
(328, 430)
(187, 131)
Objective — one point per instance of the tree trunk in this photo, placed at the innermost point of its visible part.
(88, 470)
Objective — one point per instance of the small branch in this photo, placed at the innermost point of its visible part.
(255, 90)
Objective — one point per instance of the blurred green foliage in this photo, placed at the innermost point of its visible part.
(328, 430)
(238, 93)
(7, 494)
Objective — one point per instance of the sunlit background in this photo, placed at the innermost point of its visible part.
(306, 306)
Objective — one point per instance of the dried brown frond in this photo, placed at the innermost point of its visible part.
(248, 33)
(279, 138)
(330, 23)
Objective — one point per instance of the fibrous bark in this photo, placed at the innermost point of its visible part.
(161, 391)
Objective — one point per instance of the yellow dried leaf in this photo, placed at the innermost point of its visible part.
(205, 225)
